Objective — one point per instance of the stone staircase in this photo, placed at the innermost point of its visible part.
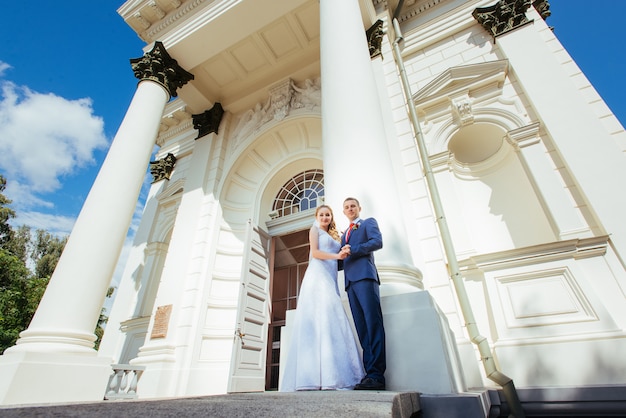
(596, 402)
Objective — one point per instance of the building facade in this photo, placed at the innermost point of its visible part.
(466, 129)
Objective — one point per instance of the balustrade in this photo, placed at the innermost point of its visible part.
(123, 381)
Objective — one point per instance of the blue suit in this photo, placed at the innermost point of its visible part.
(362, 286)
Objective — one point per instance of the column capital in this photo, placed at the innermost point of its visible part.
(158, 66)
(208, 121)
(543, 8)
(162, 169)
(503, 16)
(375, 38)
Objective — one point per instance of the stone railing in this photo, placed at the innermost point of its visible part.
(123, 382)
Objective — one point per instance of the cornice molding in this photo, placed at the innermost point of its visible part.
(155, 30)
(558, 250)
(150, 20)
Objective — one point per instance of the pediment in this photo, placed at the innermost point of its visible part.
(456, 81)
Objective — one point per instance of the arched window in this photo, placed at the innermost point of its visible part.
(303, 192)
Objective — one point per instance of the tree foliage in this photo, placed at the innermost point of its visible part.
(6, 213)
(14, 315)
(27, 261)
(46, 252)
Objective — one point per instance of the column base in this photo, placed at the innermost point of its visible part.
(399, 278)
(421, 349)
(38, 378)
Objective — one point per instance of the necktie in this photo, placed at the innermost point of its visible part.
(349, 232)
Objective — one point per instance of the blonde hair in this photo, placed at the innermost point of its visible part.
(332, 228)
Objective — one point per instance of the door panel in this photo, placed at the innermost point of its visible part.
(249, 350)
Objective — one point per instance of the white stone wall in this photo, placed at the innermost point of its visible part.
(546, 284)
(510, 217)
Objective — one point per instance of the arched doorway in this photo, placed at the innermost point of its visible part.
(261, 168)
(297, 199)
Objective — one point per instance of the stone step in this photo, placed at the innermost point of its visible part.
(325, 404)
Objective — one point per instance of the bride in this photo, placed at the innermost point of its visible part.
(323, 353)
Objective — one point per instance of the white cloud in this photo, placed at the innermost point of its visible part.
(3, 67)
(59, 226)
(45, 139)
(42, 138)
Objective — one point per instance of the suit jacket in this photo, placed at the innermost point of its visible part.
(363, 240)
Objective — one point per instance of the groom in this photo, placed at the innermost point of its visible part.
(361, 239)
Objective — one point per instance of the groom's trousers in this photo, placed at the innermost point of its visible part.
(364, 298)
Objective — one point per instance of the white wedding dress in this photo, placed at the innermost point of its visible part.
(323, 353)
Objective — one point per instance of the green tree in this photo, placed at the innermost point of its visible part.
(15, 313)
(46, 252)
(6, 214)
(19, 243)
(102, 320)
(27, 262)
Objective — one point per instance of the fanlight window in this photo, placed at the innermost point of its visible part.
(303, 192)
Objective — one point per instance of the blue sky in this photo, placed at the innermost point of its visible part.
(66, 82)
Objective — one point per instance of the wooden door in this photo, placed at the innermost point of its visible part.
(291, 258)
(249, 349)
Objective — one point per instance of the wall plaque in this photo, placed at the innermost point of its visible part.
(161, 321)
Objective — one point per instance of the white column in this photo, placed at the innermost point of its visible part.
(356, 155)
(86, 266)
(54, 360)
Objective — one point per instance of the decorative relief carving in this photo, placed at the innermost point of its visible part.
(250, 121)
(375, 38)
(283, 98)
(280, 98)
(503, 16)
(157, 65)
(162, 169)
(308, 96)
(462, 110)
(209, 121)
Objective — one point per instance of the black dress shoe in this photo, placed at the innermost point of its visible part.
(370, 384)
